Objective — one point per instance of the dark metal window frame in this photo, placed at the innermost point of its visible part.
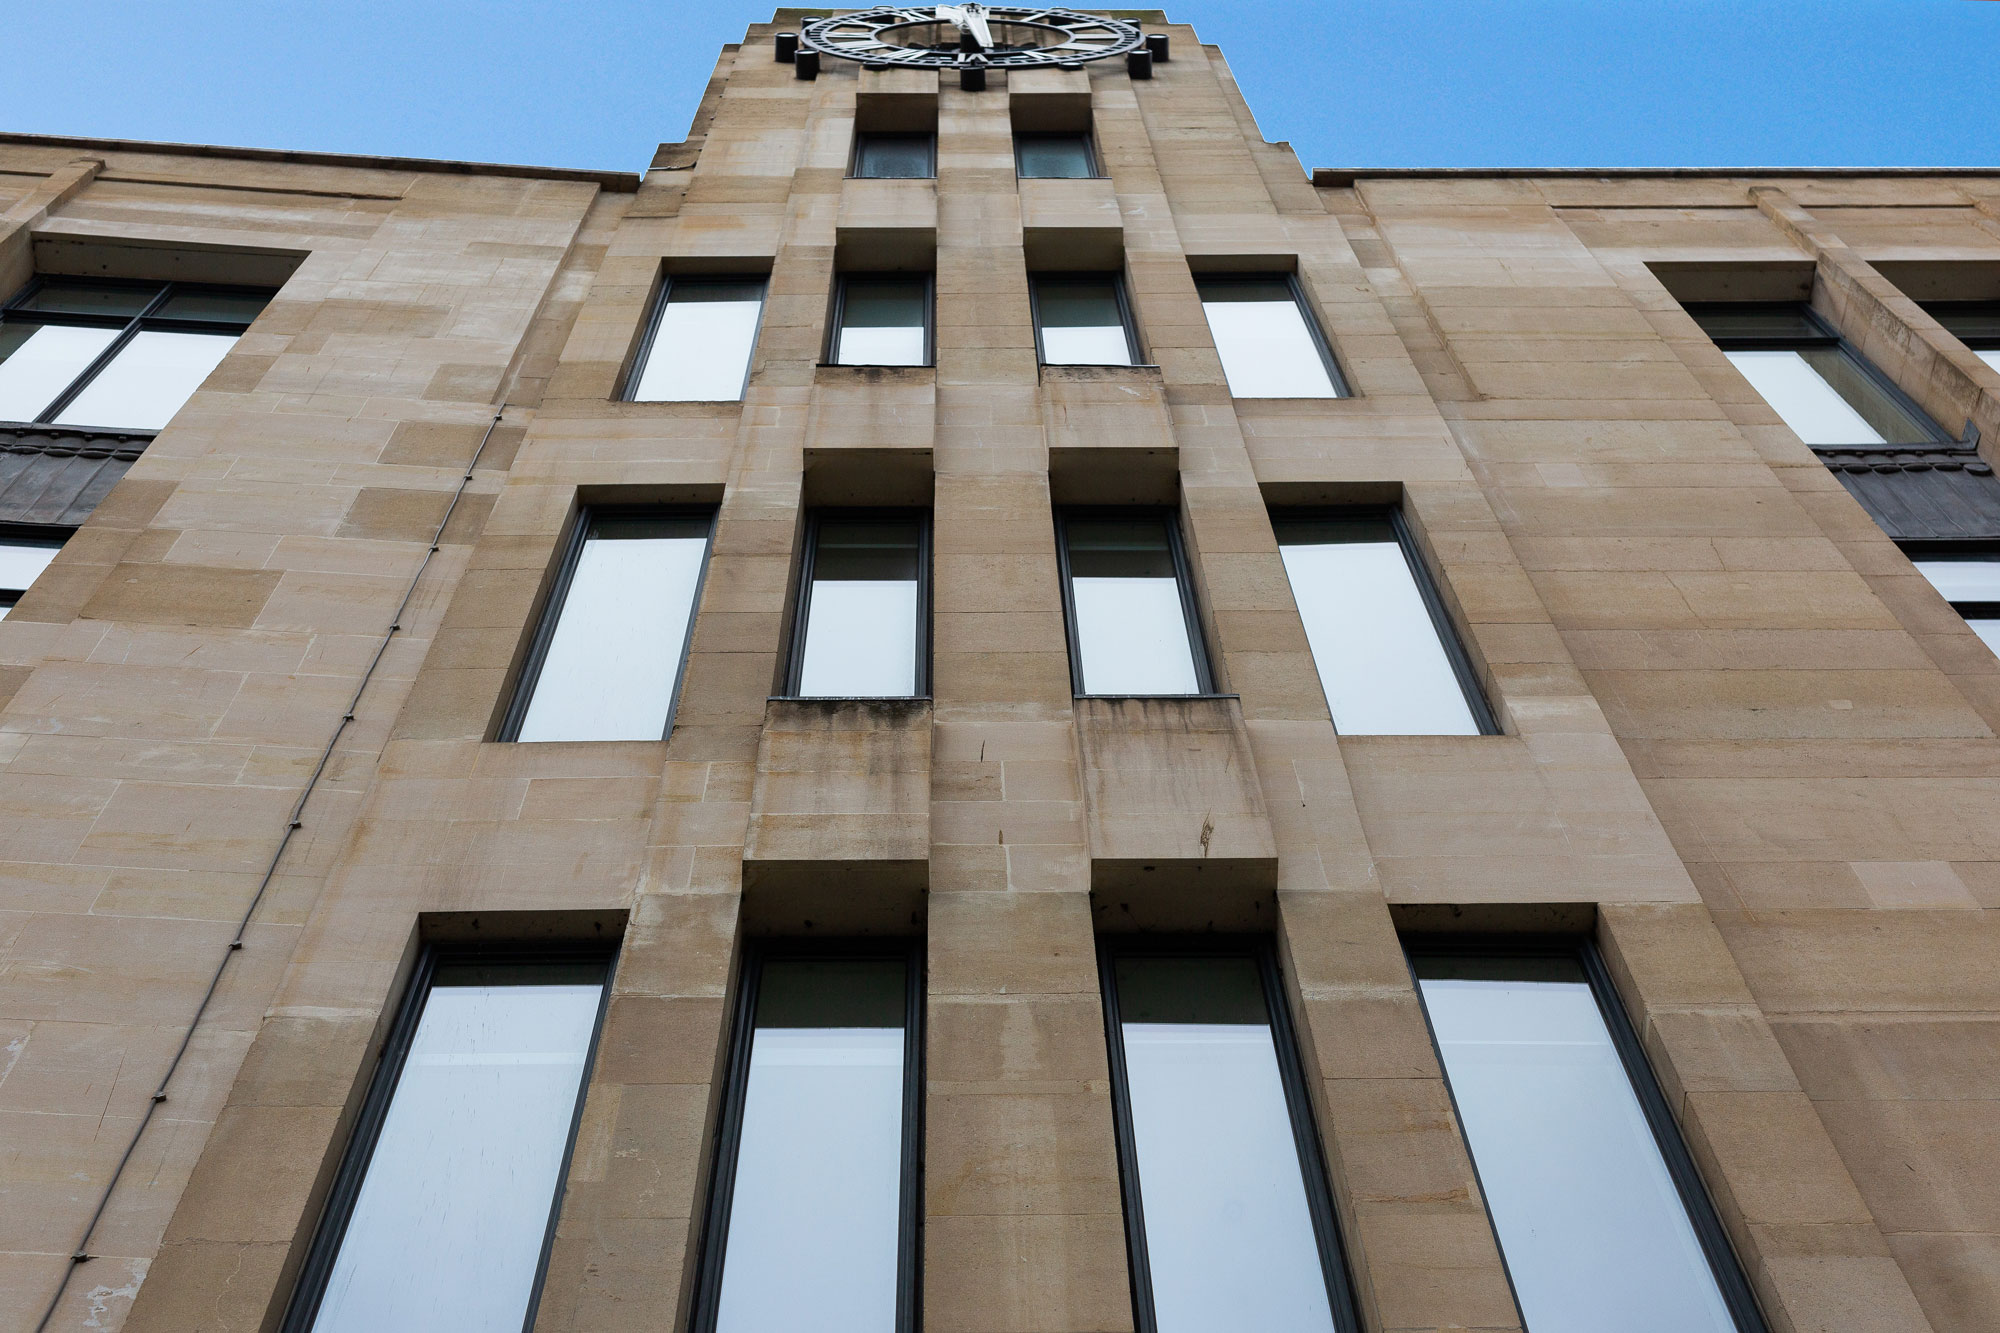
(330, 1232)
(1089, 153)
(862, 136)
(1341, 387)
(1427, 587)
(1941, 310)
(729, 1124)
(668, 281)
(802, 609)
(1298, 1102)
(129, 326)
(552, 609)
(1971, 551)
(1828, 337)
(29, 534)
(1696, 1202)
(1077, 279)
(837, 325)
(1204, 674)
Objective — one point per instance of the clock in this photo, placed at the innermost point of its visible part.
(970, 37)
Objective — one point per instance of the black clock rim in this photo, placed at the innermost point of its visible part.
(1130, 39)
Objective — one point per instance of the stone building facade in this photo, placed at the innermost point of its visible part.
(1737, 740)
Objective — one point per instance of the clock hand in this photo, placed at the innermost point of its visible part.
(970, 20)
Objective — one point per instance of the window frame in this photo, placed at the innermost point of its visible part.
(1939, 311)
(550, 614)
(795, 656)
(1077, 278)
(930, 153)
(1828, 337)
(837, 325)
(129, 327)
(1697, 1204)
(1090, 156)
(1342, 388)
(1204, 672)
(714, 1240)
(1261, 950)
(1449, 638)
(336, 1213)
(644, 354)
(1978, 549)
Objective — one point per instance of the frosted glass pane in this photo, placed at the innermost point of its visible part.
(1054, 157)
(882, 322)
(1592, 1226)
(701, 350)
(1081, 323)
(42, 363)
(148, 381)
(816, 1212)
(1991, 356)
(1229, 1237)
(893, 157)
(1132, 636)
(1380, 662)
(1267, 350)
(448, 1227)
(1963, 580)
(21, 563)
(1797, 387)
(611, 664)
(861, 640)
(1987, 630)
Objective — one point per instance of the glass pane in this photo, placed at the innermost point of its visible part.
(882, 321)
(1229, 1237)
(1267, 348)
(448, 1227)
(1963, 580)
(861, 627)
(1081, 324)
(1380, 662)
(1987, 630)
(610, 668)
(1971, 321)
(1751, 320)
(1054, 156)
(22, 562)
(1826, 398)
(39, 361)
(1593, 1228)
(1131, 627)
(1991, 357)
(816, 1213)
(148, 381)
(893, 156)
(91, 298)
(223, 307)
(701, 350)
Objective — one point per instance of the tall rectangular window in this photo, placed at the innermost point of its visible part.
(895, 156)
(699, 347)
(1602, 1219)
(22, 560)
(812, 1217)
(606, 665)
(863, 615)
(1227, 1214)
(1823, 388)
(115, 356)
(1081, 319)
(1971, 583)
(1388, 660)
(1974, 323)
(1130, 604)
(1054, 156)
(1270, 345)
(445, 1206)
(882, 319)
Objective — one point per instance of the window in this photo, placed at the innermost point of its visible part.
(1054, 157)
(863, 613)
(895, 156)
(115, 356)
(1388, 660)
(1602, 1221)
(606, 665)
(882, 319)
(1971, 583)
(22, 560)
(1270, 346)
(1081, 320)
(444, 1209)
(1227, 1213)
(1822, 388)
(1130, 604)
(698, 350)
(1974, 323)
(812, 1217)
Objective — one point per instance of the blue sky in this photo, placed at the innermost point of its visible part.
(1349, 82)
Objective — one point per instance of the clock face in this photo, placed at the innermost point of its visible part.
(1000, 36)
